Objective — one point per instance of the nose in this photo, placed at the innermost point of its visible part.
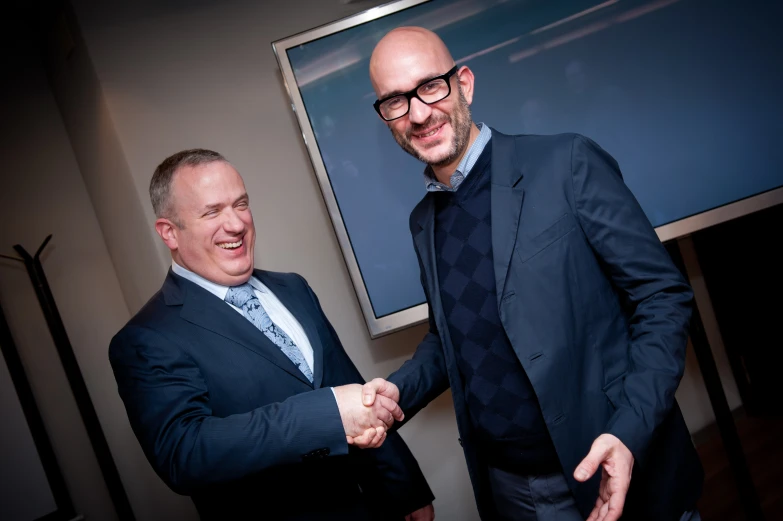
(419, 111)
(233, 222)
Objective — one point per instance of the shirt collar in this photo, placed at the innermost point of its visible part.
(218, 290)
(463, 168)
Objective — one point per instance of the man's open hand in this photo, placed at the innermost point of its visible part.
(616, 461)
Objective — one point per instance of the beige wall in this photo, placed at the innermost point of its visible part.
(148, 80)
(43, 193)
(139, 262)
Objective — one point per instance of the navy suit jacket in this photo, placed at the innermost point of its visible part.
(595, 310)
(225, 417)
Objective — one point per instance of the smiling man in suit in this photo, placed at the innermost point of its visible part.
(556, 316)
(236, 384)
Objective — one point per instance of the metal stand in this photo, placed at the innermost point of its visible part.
(41, 439)
(75, 379)
(728, 430)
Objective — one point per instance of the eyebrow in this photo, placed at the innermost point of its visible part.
(217, 206)
(418, 84)
(208, 208)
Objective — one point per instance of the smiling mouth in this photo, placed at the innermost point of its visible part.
(429, 133)
(230, 245)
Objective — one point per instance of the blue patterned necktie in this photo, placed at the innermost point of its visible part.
(245, 299)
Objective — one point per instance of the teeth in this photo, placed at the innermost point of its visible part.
(428, 134)
(230, 245)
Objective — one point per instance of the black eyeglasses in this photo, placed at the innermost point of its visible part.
(429, 92)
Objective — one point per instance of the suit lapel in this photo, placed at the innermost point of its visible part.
(506, 196)
(203, 309)
(425, 244)
(424, 239)
(292, 300)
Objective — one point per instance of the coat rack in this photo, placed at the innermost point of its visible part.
(43, 444)
(80, 393)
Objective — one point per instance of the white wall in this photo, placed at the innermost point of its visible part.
(149, 79)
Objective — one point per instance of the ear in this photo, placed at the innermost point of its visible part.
(168, 232)
(465, 79)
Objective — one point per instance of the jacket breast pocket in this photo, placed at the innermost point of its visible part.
(529, 248)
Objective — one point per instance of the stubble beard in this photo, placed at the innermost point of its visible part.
(460, 121)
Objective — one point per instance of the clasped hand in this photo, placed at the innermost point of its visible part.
(366, 421)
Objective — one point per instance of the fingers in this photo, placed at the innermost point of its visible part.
(602, 512)
(357, 418)
(384, 416)
(603, 489)
(614, 507)
(370, 439)
(379, 386)
(596, 510)
(363, 440)
(609, 453)
(597, 455)
(368, 393)
(380, 437)
(391, 406)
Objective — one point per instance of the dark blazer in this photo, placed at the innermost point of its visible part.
(225, 417)
(595, 310)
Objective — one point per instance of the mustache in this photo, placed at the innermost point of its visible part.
(431, 121)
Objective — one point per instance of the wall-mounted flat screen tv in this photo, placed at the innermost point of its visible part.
(685, 94)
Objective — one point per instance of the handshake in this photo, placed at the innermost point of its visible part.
(368, 411)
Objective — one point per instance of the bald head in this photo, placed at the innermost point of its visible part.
(418, 52)
(436, 128)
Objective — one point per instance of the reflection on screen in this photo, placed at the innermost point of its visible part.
(685, 94)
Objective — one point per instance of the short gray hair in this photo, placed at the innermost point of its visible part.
(160, 185)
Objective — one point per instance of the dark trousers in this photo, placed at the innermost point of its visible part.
(539, 498)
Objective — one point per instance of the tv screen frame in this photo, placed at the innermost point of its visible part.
(411, 316)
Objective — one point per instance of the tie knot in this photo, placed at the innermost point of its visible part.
(239, 295)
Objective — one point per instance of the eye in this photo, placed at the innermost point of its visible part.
(394, 102)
